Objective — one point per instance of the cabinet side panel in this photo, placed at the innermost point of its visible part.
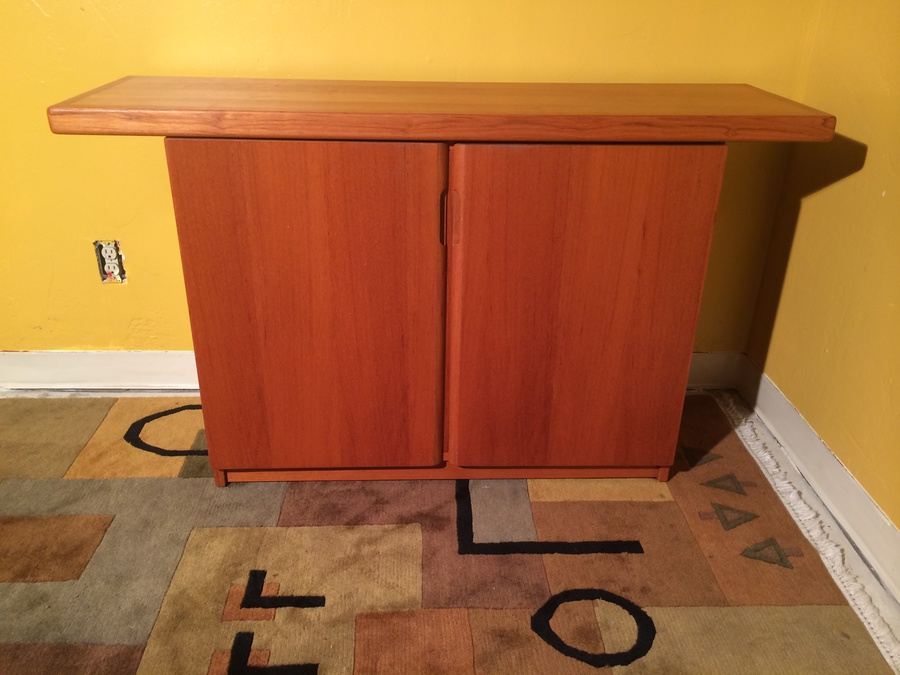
(315, 280)
(576, 274)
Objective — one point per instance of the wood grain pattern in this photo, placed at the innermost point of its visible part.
(575, 275)
(448, 472)
(315, 280)
(449, 111)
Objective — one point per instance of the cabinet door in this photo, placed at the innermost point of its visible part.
(575, 275)
(315, 281)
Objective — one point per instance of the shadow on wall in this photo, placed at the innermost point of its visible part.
(811, 167)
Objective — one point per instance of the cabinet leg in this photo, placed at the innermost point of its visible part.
(219, 478)
(663, 474)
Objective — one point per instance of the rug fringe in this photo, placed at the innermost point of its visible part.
(813, 526)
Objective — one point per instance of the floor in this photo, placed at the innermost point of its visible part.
(119, 555)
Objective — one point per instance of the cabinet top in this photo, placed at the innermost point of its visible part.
(437, 111)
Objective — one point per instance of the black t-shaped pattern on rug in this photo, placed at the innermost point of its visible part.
(254, 598)
(239, 663)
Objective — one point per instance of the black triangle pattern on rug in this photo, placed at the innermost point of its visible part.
(731, 518)
(728, 482)
(768, 551)
(699, 456)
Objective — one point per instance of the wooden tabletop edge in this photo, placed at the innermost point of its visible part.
(77, 115)
(70, 102)
(813, 112)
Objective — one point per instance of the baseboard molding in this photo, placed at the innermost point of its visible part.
(866, 525)
(878, 610)
(871, 531)
(160, 370)
(98, 370)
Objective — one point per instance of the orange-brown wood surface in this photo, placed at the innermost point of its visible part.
(448, 472)
(575, 275)
(449, 111)
(315, 280)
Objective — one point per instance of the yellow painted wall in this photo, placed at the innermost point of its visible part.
(59, 193)
(834, 345)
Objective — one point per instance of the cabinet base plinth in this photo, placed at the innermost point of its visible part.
(446, 472)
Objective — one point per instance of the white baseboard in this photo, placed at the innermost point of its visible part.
(155, 370)
(867, 526)
(871, 531)
(878, 610)
(98, 370)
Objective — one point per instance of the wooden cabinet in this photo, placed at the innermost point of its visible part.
(315, 279)
(575, 278)
(441, 280)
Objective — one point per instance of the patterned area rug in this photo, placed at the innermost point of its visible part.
(118, 555)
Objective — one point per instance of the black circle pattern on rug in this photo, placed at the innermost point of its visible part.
(133, 435)
(646, 629)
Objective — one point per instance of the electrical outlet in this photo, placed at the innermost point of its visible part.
(111, 261)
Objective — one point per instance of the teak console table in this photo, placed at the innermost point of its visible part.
(419, 279)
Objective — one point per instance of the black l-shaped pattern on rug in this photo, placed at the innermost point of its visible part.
(468, 546)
